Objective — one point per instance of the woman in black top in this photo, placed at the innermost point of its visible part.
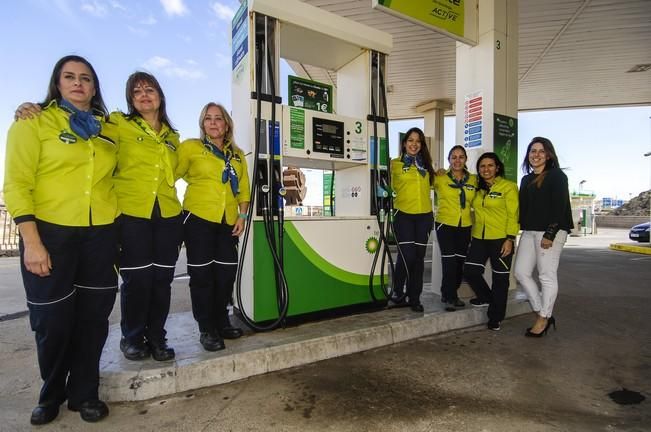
(545, 220)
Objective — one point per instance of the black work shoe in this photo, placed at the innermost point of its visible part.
(44, 414)
(134, 351)
(457, 303)
(478, 303)
(91, 410)
(493, 325)
(417, 307)
(230, 332)
(211, 341)
(398, 298)
(161, 351)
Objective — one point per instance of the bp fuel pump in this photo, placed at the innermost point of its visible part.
(293, 266)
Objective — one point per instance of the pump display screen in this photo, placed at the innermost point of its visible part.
(328, 137)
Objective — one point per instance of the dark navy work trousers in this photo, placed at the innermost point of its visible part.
(149, 249)
(212, 266)
(453, 242)
(69, 309)
(412, 234)
(480, 252)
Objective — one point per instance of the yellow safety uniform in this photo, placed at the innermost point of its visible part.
(207, 196)
(146, 165)
(496, 211)
(54, 175)
(449, 205)
(412, 189)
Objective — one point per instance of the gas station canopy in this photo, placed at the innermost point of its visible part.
(572, 54)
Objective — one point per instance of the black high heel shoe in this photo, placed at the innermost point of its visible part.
(551, 321)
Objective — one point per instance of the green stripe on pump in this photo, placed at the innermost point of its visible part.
(320, 262)
(314, 284)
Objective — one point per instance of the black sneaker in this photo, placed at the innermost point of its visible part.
(91, 411)
(493, 325)
(134, 351)
(417, 307)
(211, 341)
(457, 302)
(398, 298)
(44, 414)
(161, 351)
(478, 303)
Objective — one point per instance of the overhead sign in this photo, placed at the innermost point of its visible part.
(454, 18)
(307, 94)
(239, 35)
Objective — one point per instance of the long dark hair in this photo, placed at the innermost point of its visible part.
(499, 172)
(551, 162)
(463, 149)
(53, 92)
(423, 152)
(145, 78)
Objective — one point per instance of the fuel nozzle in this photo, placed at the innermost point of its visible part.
(388, 189)
(381, 192)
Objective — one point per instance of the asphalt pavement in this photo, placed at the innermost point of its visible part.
(469, 380)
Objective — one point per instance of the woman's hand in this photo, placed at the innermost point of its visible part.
(37, 260)
(546, 243)
(507, 248)
(440, 172)
(238, 228)
(27, 110)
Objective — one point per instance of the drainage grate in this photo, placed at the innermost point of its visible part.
(626, 397)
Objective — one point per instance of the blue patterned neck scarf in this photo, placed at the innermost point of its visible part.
(417, 161)
(83, 123)
(229, 174)
(460, 184)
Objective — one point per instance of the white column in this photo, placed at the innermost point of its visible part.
(488, 71)
(433, 114)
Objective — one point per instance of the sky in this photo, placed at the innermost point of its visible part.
(186, 45)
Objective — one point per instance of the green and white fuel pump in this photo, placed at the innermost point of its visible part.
(298, 266)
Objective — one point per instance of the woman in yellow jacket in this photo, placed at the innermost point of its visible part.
(151, 229)
(493, 234)
(150, 224)
(455, 190)
(411, 177)
(58, 189)
(215, 208)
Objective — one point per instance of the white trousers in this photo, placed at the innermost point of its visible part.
(531, 255)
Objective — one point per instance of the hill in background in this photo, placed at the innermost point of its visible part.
(638, 206)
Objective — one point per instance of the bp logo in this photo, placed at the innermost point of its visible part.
(372, 245)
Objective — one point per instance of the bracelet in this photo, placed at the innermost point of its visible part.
(244, 216)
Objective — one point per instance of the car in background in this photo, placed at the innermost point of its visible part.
(640, 232)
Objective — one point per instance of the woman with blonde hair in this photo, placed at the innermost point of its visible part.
(215, 208)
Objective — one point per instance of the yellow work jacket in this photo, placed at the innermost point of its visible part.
(449, 211)
(146, 165)
(54, 175)
(207, 196)
(412, 189)
(496, 211)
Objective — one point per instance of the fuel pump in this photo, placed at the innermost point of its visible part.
(292, 266)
